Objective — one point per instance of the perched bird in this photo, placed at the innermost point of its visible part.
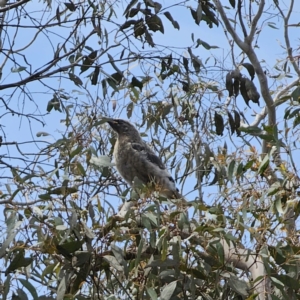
(136, 160)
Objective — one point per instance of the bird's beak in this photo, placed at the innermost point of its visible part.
(109, 120)
(112, 122)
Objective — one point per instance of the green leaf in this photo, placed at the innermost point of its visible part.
(278, 283)
(69, 247)
(18, 261)
(104, 87)
(42, 133)
(45, 196)
(113, 263)
(231, 170)
(129, 109)
(170, 18)
(139, 28)
(71, 6)
(219, 123)
(119, 255)
(88, 61)
(29, 287)
(127, 24)
(17, 70)
(54, 103)
(272, 25)
(251, 130)
(296, 121)
(80, 168)
(199, 13)
(195, 17)
(96, 72)
(278, 205)
(154, 23)
(274, 188)
(76, 151)
(137, 83)
(101, 161)
(6, 286)
(75, 79)
(151, 292)
(296, 94)
(238, 285)
(129, 6)
(48, 270)
(157, 7)
(232, 3)
(250, 69)
(168, 290)
(264, 165)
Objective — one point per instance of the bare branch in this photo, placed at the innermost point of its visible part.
(244, 46)
(286, 36)
(14, 5)
(253, 29)
(282, 92)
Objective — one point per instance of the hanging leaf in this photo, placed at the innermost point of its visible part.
(239, 286)
(18, 261)
(139, 28)
(75, 79)
(194, 15)
(250, 69)
(264, 165)
(196, 64)
(154, 23)
(228, 84)
(95, 75)
(211, 17)
(236, 87)
(244, 91)
(186, 64)
(137, 83)
(199, 13)
(129, 6)
(18, 70)
(132, 13)
(252, 91)
(185, 86)
(128, 24)
(170, 18)
(149, 39)
(157, 7)
(296, 94)
(231, 122)
(168, 290)
(88, 61)
(232, 3)
(104, 87)
(101, 161)
(129, 109)
(237, 122)
(71, 6)
(219, 123)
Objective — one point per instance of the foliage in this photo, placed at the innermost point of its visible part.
(65, 66)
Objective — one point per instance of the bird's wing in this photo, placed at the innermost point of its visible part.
(155, 169)
(148, 154)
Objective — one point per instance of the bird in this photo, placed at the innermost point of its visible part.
(134, 159)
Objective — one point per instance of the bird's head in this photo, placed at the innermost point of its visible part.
(123, 128)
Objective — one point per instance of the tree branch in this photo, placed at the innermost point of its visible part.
(286, 35)
(250, 37)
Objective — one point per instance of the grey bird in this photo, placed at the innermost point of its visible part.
(135, 159)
